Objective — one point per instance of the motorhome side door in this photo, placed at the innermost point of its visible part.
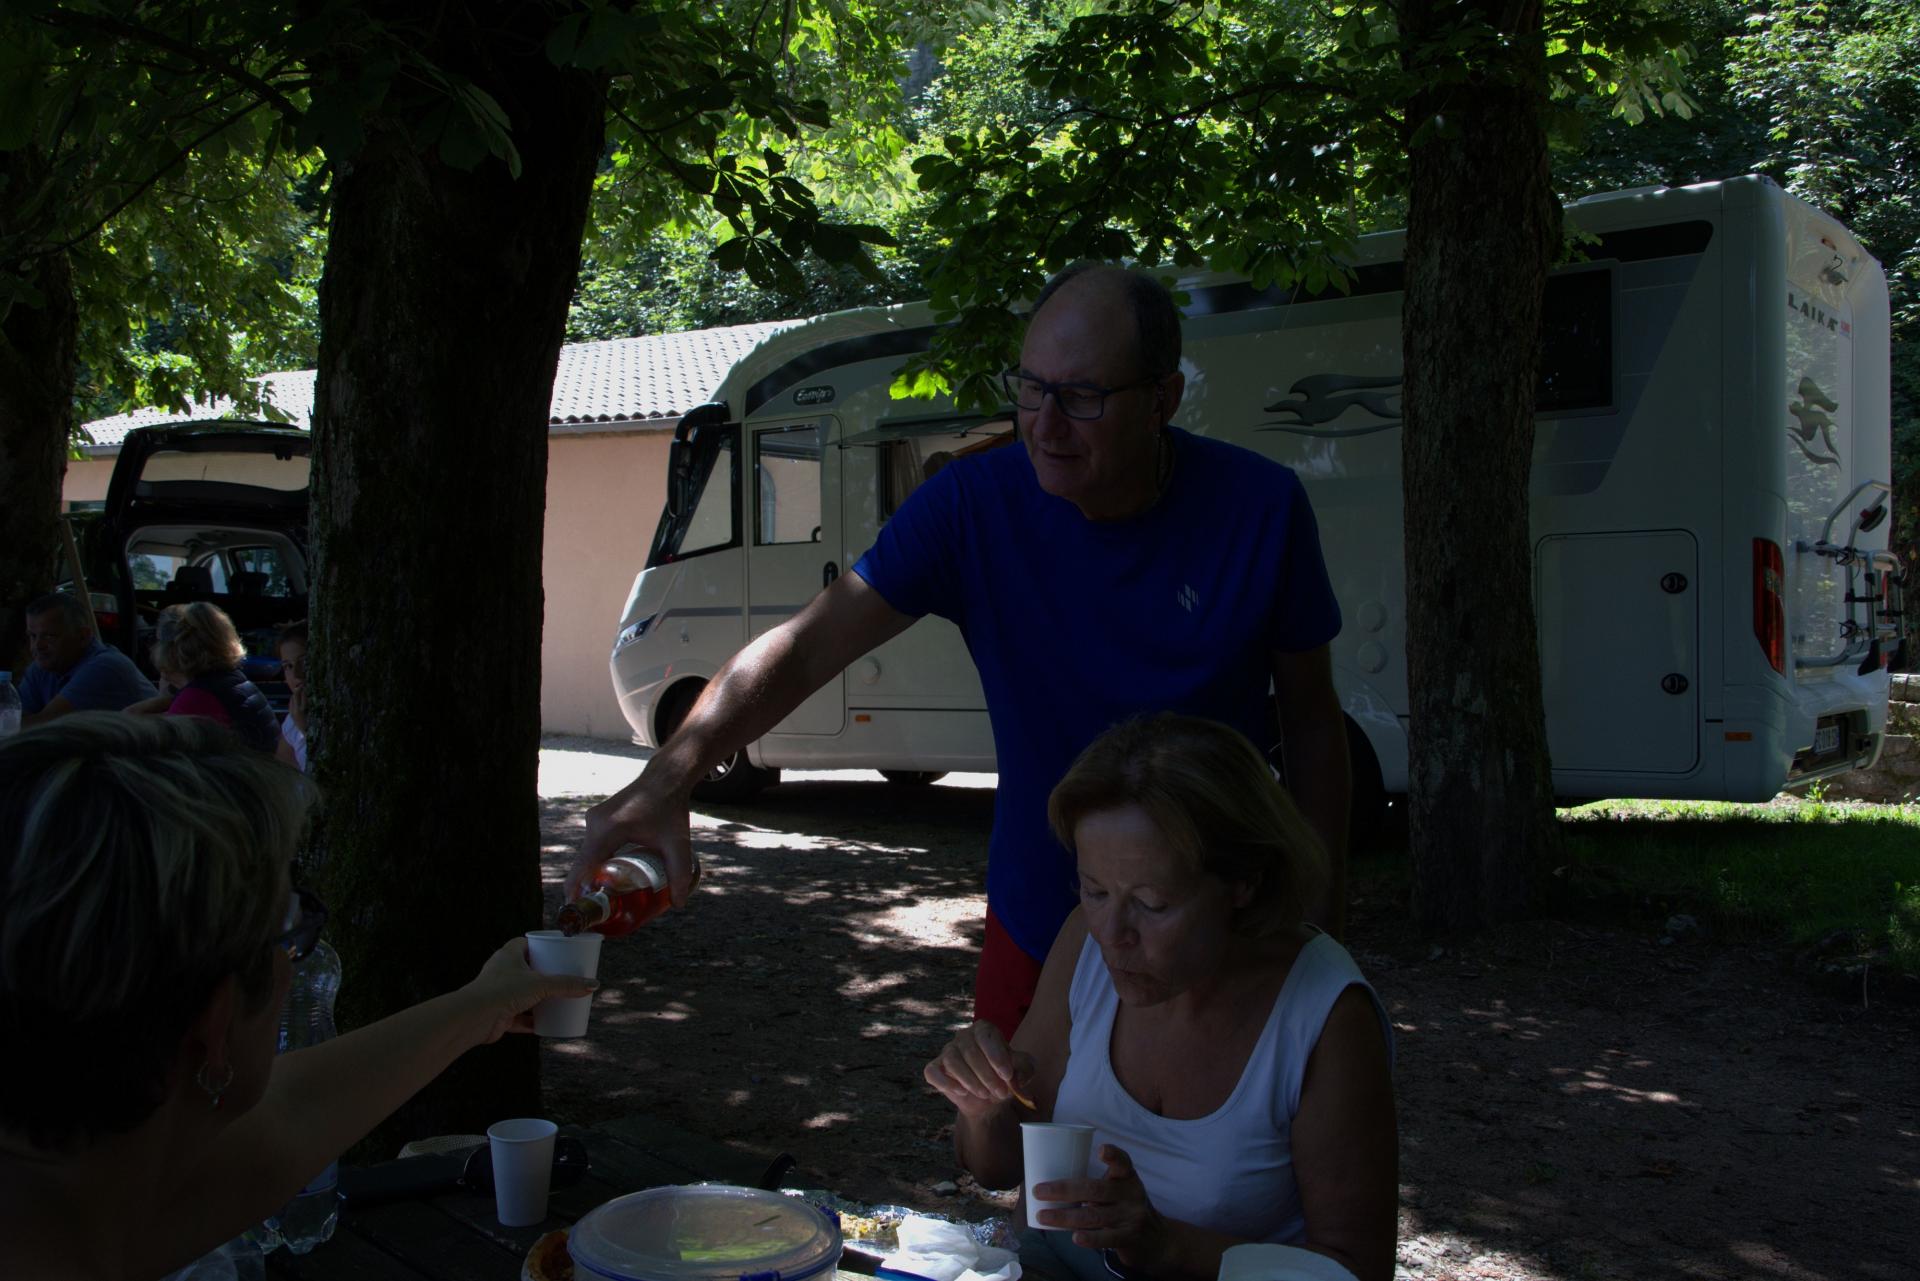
(793, 545)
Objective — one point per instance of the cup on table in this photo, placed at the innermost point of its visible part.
(522, 1169)
(1052, 1150)
(551, 952)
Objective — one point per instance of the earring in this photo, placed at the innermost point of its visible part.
(212, 1089)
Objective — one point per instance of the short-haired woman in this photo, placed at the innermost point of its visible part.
(148, 932)
(1232, 1061)
(198, 651)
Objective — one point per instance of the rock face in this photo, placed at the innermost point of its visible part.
(1895, 777)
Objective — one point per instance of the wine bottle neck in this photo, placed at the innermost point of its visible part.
(583, 913)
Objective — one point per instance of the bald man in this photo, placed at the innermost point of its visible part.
(1115, 566)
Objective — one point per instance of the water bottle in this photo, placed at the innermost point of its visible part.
(309, 1218)
(237, 1260)
(9, 706)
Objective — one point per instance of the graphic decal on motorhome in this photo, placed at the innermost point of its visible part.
(1818, 315)
(1811, 419)
(813, 396)
(1320, 398)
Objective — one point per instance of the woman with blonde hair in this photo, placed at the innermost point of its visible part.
(148, 934)
(198, 651)
(1232, 1061)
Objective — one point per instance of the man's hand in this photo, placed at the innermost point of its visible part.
(297, 708)
(748, 696)
(1114, 1214)
(636, 816)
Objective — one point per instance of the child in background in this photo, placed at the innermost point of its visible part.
(290, 647)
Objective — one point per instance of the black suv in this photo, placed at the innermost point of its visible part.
(213, 511)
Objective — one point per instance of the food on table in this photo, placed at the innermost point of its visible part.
(548, 1260)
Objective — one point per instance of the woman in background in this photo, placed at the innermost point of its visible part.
(197, 652)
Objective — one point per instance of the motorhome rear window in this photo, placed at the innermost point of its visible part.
(912, 452)
(1576, 342)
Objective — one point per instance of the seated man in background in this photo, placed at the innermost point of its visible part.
(73, 669)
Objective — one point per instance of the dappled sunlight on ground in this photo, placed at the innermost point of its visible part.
(1576, 1103)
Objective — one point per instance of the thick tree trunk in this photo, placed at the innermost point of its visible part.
(1482, 229)
(442, 312)
(36, 420)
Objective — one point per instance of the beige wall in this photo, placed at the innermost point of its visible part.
(604, 494)
(87, 481)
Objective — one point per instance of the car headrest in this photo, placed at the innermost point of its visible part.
(192, 578)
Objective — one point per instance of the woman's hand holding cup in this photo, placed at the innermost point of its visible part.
(977, 1072)
(507, 988)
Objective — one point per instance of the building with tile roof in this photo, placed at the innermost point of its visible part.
(622, 383)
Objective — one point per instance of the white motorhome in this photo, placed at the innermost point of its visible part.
(1709, 494)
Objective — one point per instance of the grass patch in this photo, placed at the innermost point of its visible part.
(1792, 870)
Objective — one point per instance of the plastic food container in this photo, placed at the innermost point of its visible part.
(705, 1232)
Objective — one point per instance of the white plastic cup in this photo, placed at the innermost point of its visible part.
(1052, 1150)
(551, 952)
(522, 1169)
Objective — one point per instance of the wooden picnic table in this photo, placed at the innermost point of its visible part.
(455, 1237)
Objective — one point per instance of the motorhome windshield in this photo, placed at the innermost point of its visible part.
(709, 518)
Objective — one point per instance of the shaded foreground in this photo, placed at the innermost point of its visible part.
(1575, 1102)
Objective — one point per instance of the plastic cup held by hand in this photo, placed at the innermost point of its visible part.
(1052, 1151)
(551, 952)
(522, 1169)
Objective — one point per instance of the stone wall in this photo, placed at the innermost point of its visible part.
(1896, 777)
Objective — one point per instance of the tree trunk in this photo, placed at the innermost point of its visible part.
(442, 310)
(36, 421)
(1482, 229)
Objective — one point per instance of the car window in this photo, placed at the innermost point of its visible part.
(252, 468)
(152, 571)
(258, 571)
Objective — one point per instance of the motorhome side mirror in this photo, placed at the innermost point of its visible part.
(679, 467)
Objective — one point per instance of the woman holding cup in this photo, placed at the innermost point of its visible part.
(1231, 1062)
(148, 933)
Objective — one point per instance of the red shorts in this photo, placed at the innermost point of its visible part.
(1003, 986)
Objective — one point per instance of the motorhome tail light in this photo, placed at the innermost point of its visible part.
(1769, 604)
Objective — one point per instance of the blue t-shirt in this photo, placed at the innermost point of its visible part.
(104, 680)
(1077, 625)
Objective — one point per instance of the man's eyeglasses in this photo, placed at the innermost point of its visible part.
(1076, 400)
(300, 932)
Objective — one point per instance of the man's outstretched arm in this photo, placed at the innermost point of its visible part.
(753, 692)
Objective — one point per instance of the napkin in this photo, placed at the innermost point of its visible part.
(940, 1251)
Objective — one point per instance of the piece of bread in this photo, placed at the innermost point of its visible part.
(548, 1260)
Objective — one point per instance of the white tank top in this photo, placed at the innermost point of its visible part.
(1232, 1170)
